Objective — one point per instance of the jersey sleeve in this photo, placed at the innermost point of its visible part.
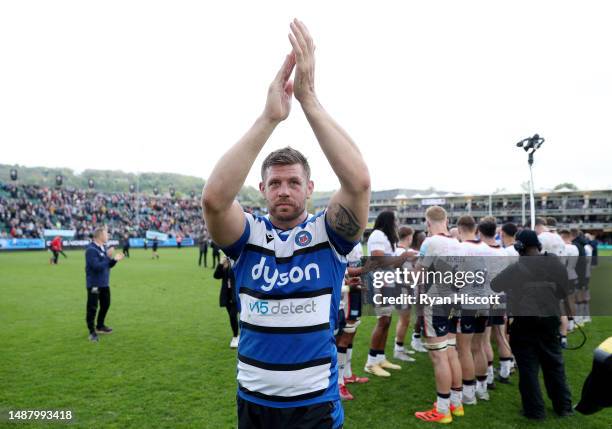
(377, 242)
(426, 254)
(234, 250)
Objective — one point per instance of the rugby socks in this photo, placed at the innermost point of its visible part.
(481, 383)
(399, 346)
(341, 364)
(375, 356)
(443, 403)
(348, 371)
(490, 373)
(469, 388)
(505, 364)
(456, 396)
(372, 355)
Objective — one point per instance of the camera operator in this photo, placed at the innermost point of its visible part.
(534, 285)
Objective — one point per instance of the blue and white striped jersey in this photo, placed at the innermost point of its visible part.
(288, 286)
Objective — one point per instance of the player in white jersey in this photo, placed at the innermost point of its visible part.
(571, 259)
(351, 306)
(440, 253)
(289, 265)
(381, 244)
(508, 234)
(582, 268)
(508, 237)
(496, 263)
(548, 237)
(473, 320)
(588, 251)
(405, 234)
(416, 342)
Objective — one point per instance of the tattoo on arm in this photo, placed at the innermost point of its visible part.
(343, 221)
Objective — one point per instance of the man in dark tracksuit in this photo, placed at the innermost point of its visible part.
(533, 286)
(98, 262)
(203, 249)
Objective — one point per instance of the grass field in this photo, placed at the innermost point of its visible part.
(168, 364)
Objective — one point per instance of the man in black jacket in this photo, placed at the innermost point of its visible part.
(227, 296)
(533, 286)
(98, 262)
(203, 243)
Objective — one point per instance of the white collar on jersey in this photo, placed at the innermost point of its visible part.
(283, 232)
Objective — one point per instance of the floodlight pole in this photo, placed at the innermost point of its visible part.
(530, 145)
(531, 192)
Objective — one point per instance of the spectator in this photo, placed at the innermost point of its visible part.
(224, 272)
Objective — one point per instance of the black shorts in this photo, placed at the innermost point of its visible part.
(317, 416)
(497, 317)
(473, 321)
(437, 320)
(353, 312)
(341, 322)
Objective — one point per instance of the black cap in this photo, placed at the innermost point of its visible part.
(529, 238)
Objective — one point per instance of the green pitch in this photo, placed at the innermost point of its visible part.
(168, 363)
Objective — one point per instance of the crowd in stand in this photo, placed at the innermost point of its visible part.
(26, 210)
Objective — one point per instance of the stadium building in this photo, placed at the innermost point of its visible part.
(588, 210)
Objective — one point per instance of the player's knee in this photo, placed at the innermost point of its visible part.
(384, 322)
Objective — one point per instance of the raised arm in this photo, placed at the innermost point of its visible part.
(348, 208)
(223, 215)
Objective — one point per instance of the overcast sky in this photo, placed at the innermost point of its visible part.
(434, 93)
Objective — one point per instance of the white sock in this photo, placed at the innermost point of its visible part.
(380, 357)
(504, 370)
(490, 374)
(348, 372)
(443, 405)
(456, 397)
(341, 367)
(372, 359)
(469, 390)
(481, 386)
(397, 348)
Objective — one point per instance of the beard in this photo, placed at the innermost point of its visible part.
(286, 213)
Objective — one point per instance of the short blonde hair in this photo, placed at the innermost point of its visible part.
(435, 214)
(99, 230)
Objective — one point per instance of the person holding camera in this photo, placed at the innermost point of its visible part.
(98, 262)
(533, 286)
